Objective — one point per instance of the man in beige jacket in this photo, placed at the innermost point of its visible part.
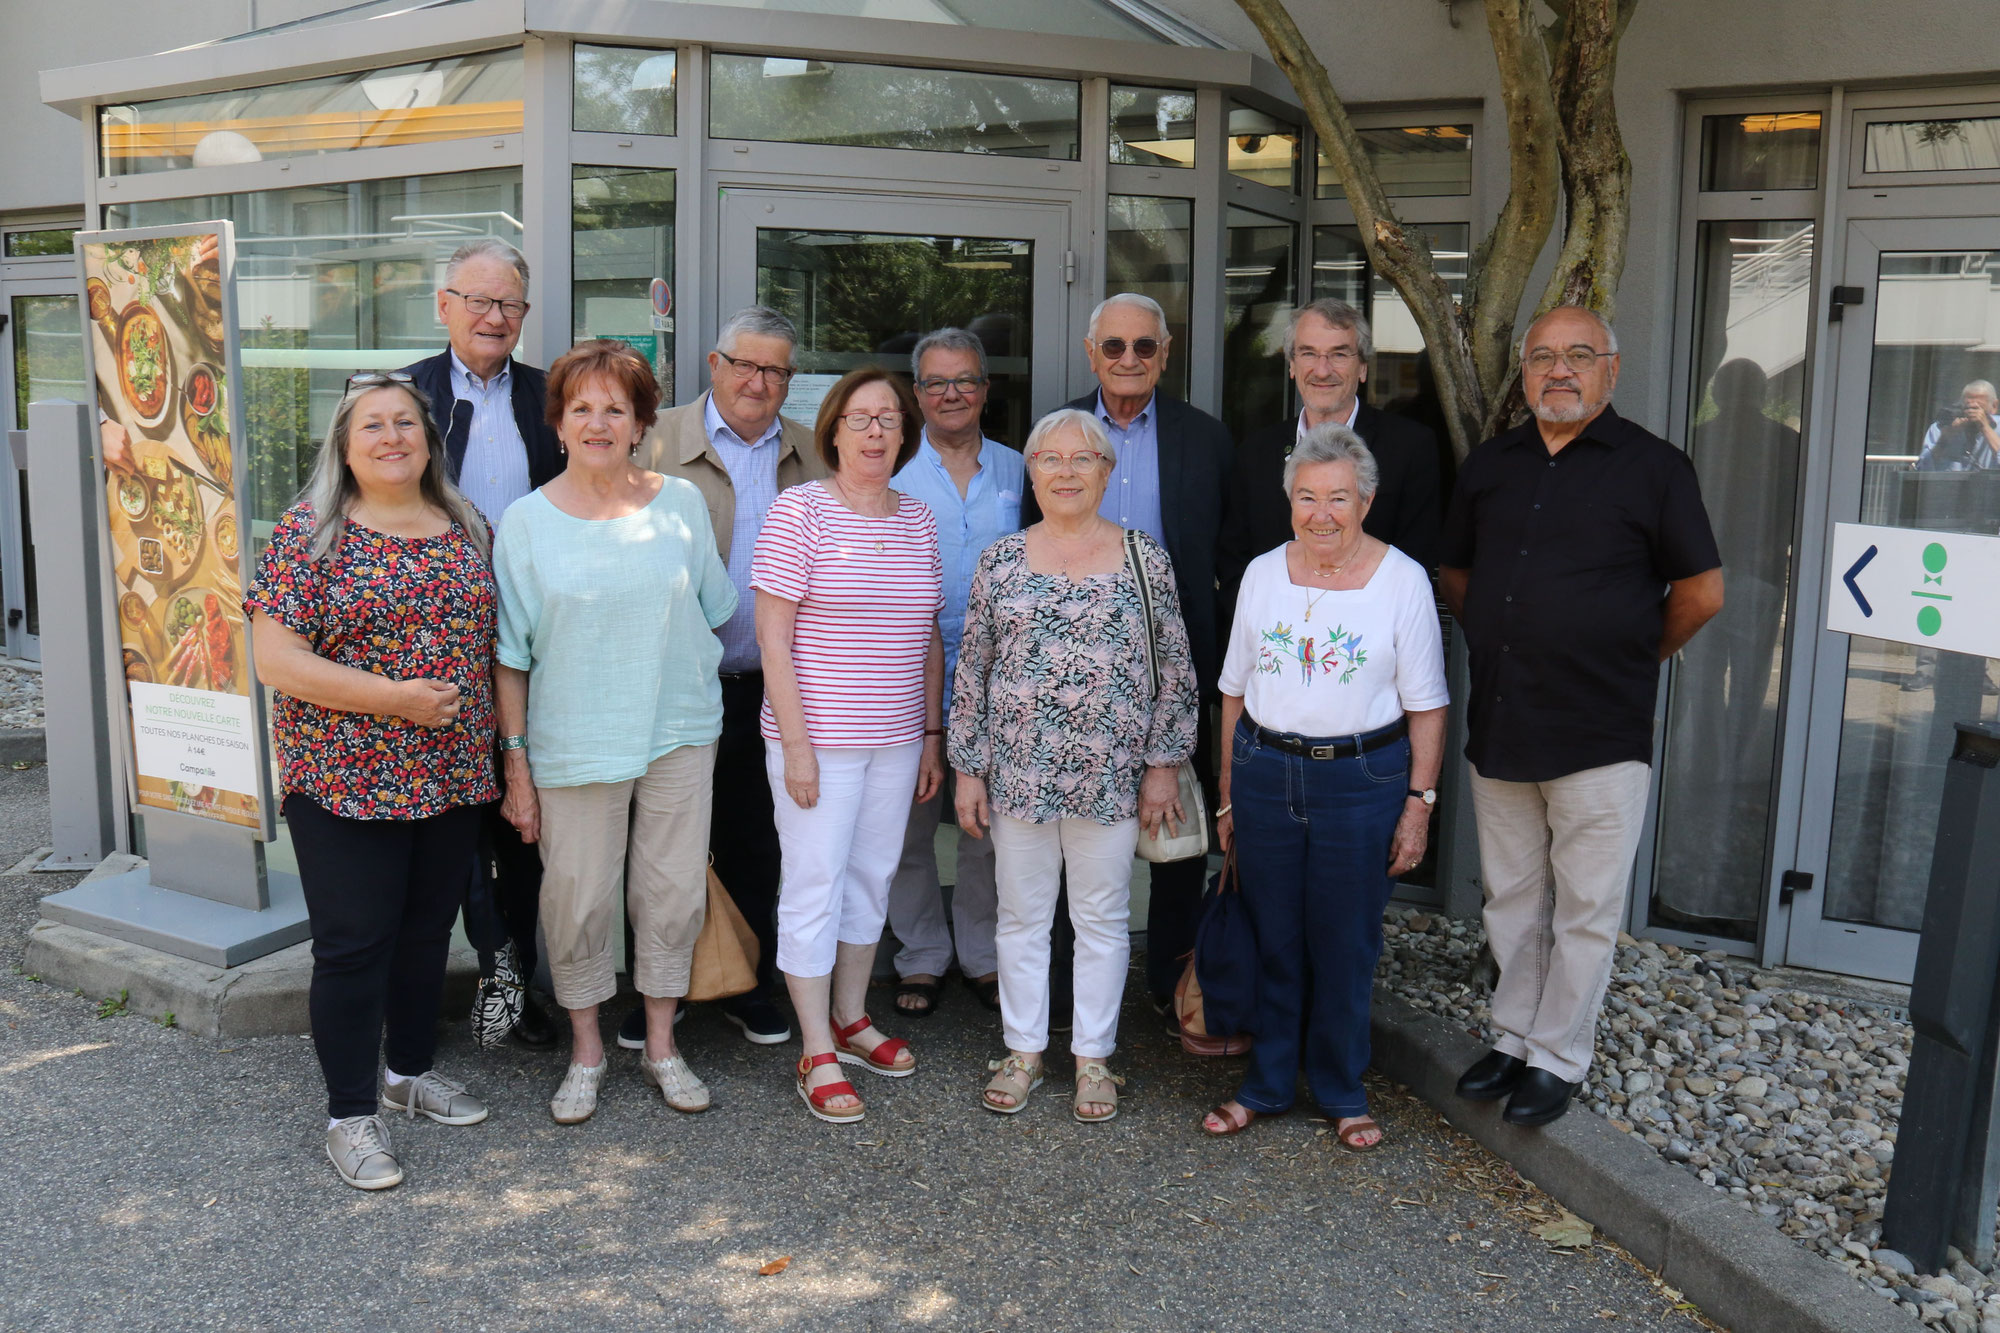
(736, 449)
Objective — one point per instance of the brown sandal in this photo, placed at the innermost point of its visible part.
(1096, 1086)
(1236, 1127)
(1361, 1125)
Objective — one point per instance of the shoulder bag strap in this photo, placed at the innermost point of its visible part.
(1138, 568)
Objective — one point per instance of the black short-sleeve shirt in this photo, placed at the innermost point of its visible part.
(1570, 556)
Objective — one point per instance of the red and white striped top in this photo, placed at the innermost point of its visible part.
(869, 591)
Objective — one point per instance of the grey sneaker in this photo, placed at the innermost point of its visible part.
(436, 1096)
(358, 1147)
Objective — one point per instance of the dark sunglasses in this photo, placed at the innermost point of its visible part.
(1114, 348)
(375, 379)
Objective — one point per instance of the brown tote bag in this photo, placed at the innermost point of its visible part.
(725, 953)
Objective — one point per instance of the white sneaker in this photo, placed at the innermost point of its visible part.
(576, 1100)
(358, 1147)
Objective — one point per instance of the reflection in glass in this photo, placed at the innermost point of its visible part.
(865, 299)
(622, 237)
(44, 242)
(1263, 148)
(1765, 151)
(623, 90)
(1059, 18)
(1148, 249)
(1258, 295)
(48, 352)
(1399, 380)
(1933, 145)
(452, 97)
(1753, 310)
(1152, 127)
(1411, 160)
(1930, 379)
(790, 100)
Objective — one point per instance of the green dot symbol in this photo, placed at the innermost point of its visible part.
(1929, 621)
(1934, 558)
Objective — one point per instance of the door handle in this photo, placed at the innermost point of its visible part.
(1844, 297)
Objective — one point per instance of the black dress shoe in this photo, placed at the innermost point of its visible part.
(533, 1029)
(1494, 1075)
(1538, 1098)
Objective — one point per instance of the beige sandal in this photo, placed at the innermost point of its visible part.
(1095, 1083)
(1013, 1076)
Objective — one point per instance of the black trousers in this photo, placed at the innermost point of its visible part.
(503, 894)
(743, 834)
(381, 895)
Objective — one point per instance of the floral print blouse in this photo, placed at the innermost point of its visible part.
(1052, 702)
(405, 607)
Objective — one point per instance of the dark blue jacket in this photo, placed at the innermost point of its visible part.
(454, 419)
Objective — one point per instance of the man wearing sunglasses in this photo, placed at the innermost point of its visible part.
(498, 447)
(1171, 482)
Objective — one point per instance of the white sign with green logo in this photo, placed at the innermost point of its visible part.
(1936, 589)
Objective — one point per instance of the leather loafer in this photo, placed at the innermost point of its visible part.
(533, 1029)
(1493, 1076)
(1538, 1098)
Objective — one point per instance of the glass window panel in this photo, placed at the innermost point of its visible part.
(623, 90)
(1398, 380)
(622, 237)
(1263, 148)
(1933, 145)
(1929, 464)
(1411, 160)
(1259, 290)
(1149, 249)
(48, 352)
(887, 106)
(1765, 151)
(454, 97)
(1061, 18)
(1753, 285)
(37, 244)
(1152, 127)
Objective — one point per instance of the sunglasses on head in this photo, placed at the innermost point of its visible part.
(375, 379)
(1114, 348)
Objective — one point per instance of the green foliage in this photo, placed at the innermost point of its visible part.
(110, 1007)
(165, 1020)
(277, 417)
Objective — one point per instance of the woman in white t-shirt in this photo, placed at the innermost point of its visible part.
(1333, 695)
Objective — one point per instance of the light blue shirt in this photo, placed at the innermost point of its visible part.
(966, 525)
(753, 474)
(494, 471)
(611, 619)
(1132, 496)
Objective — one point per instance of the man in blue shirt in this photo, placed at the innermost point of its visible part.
(973, 486)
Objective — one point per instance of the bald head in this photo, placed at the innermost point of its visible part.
(1569, 365)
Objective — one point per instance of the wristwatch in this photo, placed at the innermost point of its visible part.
(521, 743)
(1428, 795)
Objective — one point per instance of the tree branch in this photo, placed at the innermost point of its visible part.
(1596, 173)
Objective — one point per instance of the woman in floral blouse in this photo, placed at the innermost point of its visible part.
(1063, 751)
(373, 618)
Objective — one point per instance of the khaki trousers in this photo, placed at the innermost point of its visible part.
(1555, 858)
(651, 833)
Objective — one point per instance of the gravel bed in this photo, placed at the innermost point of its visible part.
(20, 699)
(1785, 1101)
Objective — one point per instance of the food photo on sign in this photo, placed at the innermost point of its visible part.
(158, 302)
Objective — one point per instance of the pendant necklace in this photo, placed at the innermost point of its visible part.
(844, 501)
(1312, 601)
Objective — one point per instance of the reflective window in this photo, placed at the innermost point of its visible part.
(48, 352)
(1263, 148)
(1412, 160)
(789, 100)
(38, 244)
(1060, 18)
(1149, 249)
(622, 238)
(1764, 151)
(1259, 290)
(623, 90)
(1152, 127)
(1933, 145)
(1753, 282)
(1397, 380)
(454, 97)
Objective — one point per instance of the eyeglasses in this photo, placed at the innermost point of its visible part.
(479, 305)
(1579, 359)
(965, 384)
(1114, 348)
(1083, 463)
(375, 379)
(1339, 356)
(745, 370)
(891, 420)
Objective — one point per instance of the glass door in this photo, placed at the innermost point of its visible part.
(1917, 445)
(865, 276)
(43, 350)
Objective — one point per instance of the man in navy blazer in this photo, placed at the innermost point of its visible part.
(1172, 482)
(498, 447)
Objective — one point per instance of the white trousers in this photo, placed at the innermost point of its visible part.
(1029, 860)
(916, 899)
(1556, 859)
(838, 856)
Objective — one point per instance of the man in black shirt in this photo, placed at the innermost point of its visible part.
(1577, 557)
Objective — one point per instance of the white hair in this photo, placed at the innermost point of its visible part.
(1610, 334)
(1333, 443)
(1070, 418)
(486, 247)
(1145, 303)
(1979, 386)
(759, 321)
(947, 340)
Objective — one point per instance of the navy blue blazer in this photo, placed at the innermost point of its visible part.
(454, 419)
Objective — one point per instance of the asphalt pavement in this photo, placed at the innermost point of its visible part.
(156, 1180)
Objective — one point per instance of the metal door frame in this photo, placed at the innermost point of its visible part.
(53, 276)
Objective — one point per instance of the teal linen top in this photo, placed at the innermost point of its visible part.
(614, 621)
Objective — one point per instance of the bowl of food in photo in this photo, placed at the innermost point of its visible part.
(145, 364)
(225, 536)
(206, 417)
(98, 294)
(152, 557)
(135, 497)
(178, 517)
(137, 668)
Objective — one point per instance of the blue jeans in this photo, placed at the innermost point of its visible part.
(1312, 849)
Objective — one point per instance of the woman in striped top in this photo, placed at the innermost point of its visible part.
(849, 585)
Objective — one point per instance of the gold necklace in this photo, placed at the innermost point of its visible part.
(1312, 601)
(841, 491)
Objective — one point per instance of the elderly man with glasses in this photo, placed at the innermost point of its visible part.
(498, 447)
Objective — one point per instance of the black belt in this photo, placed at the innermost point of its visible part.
(1308, 748)
(734, 677)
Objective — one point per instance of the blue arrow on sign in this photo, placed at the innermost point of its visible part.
(1855, 588)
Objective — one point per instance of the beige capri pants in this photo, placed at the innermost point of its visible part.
(651, 833)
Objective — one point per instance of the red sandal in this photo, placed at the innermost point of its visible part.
(882, 1059)
(816, 1099)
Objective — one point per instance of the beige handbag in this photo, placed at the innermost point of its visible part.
(725, 953)
(1190, 838)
